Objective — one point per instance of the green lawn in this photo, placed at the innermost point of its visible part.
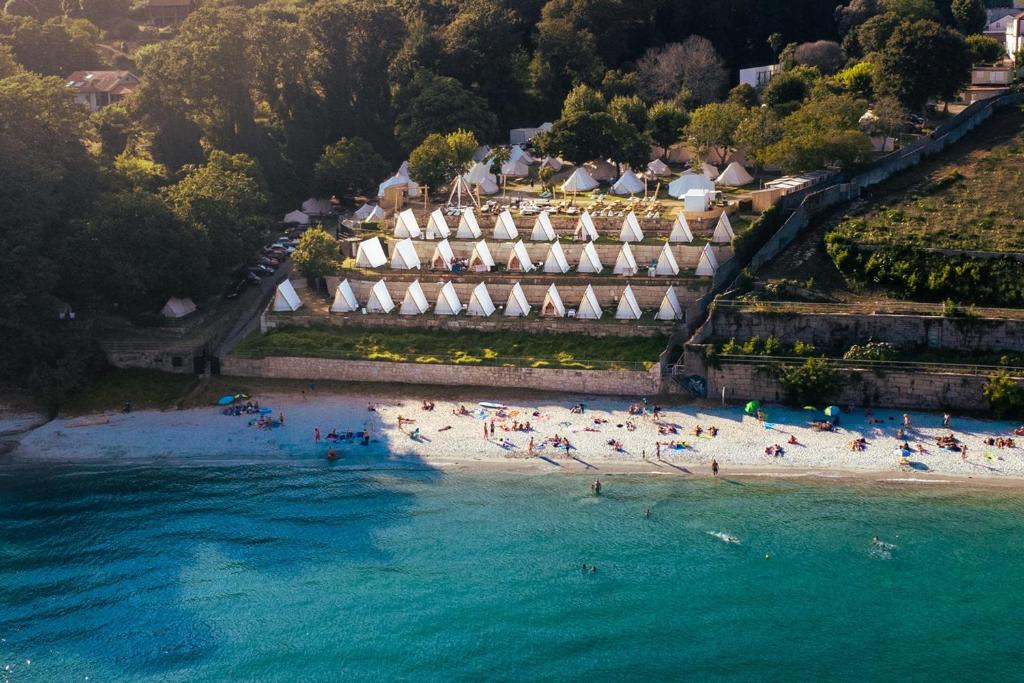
(468, 347)
(144, 388)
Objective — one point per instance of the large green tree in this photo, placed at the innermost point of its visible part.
(713, 127)
(55, 47)
(439, 158)
(970, 15)
(347, 167)
(665, 123)
(923, 60)
(440, 104)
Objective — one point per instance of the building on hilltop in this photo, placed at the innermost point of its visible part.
(97, 89)
(169, 12)
(758, 76)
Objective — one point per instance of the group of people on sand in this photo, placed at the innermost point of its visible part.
(858, 444)
(267, 422)
(1000, 442)
(616, 445)
(249, 408)
(712, 431)
(427, 406)
(774, 451)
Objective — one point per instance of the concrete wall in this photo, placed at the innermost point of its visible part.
(608, 382)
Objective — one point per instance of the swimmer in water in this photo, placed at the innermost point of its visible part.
(647, 512)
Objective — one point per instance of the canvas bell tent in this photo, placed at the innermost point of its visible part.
(370, 254)
(481, 260)
(708, 264)
(286, 298)
(344, 299)
(415, 301)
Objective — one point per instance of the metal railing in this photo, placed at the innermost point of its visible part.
(874, 365)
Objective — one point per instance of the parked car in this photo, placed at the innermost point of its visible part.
(261, 270)
(270, 262)
(235, 289)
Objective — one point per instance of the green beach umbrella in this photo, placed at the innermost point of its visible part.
(809, 408)
(752, 407)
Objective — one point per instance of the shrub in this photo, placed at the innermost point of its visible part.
(871, 351)
(1005, 397)
(751, 346)
(814, 381)
(772, 346)
(803, 349)
(731, 347)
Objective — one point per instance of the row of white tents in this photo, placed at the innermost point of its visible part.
(482, 305)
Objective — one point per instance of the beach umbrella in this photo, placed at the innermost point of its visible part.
(832, 411)
(809, 408)
(752, 407)
(225, 400)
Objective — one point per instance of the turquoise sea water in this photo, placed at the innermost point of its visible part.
(288, 572)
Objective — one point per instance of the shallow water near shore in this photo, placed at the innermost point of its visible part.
(296, 572)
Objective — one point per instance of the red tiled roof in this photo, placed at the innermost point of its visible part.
(113, 82)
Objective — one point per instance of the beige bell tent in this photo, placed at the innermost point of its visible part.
(517, 153)
(625, 263)
(628, 308)
(555, 261)
(628, 183)
(286, 298)
(406, 225)
(517, 305)
(589, 261)
(317, 207)
(723, 230)
(344, 299)
(543, 230)
(364, 211)
(666, 262)
(689, 181)
(415, 301)
(448, 301)
(553, 163)
(519, 259)
(481, 260)
(670, 308)
(479, 173)
(631, 231)
(601, 170)
(299, 217)
(405, 257)
(469, 229)
(681, 232)
(552, 306)
(437, 226)
(370, 254)
(579, 181)
(379, 300)
(734, 175)
(177, 308)
(480, 304)
(585, 228)
(515, 168)
(443, 256)
(589, 309)
(708, 264)
(659, 168)
(505, 227)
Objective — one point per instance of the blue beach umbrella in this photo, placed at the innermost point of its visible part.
(832, 411)
(225, 400)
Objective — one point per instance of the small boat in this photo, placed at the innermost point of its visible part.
(492, 406)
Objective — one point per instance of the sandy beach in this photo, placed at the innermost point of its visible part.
(604, 440)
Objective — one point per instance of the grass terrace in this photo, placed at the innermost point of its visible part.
(465, 347)
(142, 388)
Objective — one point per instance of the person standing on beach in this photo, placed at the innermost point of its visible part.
(658, 452)
(316, 435)
(714, 467)
(280, 417)
(492, 426)
(530, 448)
(946, 418)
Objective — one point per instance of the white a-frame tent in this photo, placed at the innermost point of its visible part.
(286, 298)
(628, 308)
(667, 262)
(370, 254)
(519, 259)
(406, 225)
(517, 305)
(480, 303)
(723, 230)
(405, 257)
(555, 261)
(437, 226)
(415, 301)
(680, 230)
(670, 308)
(631, 231)
(543, 230)
(552, 306)
(589, 308)
(469, 229)
(480, 259)
(708, 264)
(589, 261)
(344, 299)
(625, 263)
(448, 301)
(585, 228)
(443, 256)
(379, 300)
(505, 227)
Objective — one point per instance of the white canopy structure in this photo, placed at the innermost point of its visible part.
(689, 181)
(517, 305)
(708, 264)
(437, 226)
(723, 230)
(481, 260)
(519, 259)
(461, 194)
(681, 232)
(379, 300)
(631, 231)
(553, 163)
(601, 170)
(469, 229)
(317, 207)
(555, 261)
(406, 225)
(670, 308)
(625, 263)
(481, 153)
(405, 256)
(297, 217)
(370, 254)
(579, 181)
(628, 308)
(543, 230)
(628, 183)
(415, 301)
(666, 262)
(447, 301)
(709, 171)
(505, 227)
(697, 201)
(585, 228)
(515, 168)
(659, 168)
(177, 308)
(589, 309)
(443, 256)
(735, 175)
(589, 261)
(480, 303)
(400, 179)
(286, 298)
(552, 306)
(344, 299)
